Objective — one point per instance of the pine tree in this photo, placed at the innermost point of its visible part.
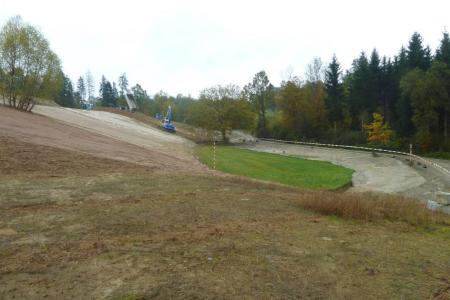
(107, 93)
(443, 56)
(335, 97)
(81, 88)
(65, 97)
(102, 85)
(358, 94)
(389, 89)
(401, 63)
(418, 56)
(443, 52)
(374, 83)
(402, 107)
(428, 58)
(115, 92)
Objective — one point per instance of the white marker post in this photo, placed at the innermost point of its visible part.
(214, 152)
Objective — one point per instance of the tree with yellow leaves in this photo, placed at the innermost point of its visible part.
(378, 131)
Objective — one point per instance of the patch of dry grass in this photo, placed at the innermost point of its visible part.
(132, 235)
(18, 158)
(372, 207)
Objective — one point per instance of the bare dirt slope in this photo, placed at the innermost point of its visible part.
(99, 134)
(381, 173)
(122, 128)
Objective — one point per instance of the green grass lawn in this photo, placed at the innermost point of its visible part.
(277, 168)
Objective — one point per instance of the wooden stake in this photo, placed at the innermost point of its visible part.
(214, 153)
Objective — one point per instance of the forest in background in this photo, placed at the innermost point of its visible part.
(408, 95)
(388, 102)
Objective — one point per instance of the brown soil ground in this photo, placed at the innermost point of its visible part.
(41, 130)
(18, 158)
(75, 224)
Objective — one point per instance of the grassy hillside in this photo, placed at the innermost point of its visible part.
(74, 226)
(277, 168)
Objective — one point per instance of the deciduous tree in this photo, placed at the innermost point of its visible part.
(29, 67)
(378, 132)
(260, 93)
(89, 86)
(222, 109)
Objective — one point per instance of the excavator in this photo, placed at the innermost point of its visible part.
(167, 122)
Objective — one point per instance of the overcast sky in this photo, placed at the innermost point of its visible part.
(185, 46)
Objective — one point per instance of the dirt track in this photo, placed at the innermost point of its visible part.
(109, 136)
(382, 173)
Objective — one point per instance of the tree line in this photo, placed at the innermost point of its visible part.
(405, 97)
(410, 90)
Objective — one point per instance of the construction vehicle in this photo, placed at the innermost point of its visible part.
(167, 122)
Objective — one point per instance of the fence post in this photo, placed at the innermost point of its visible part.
(214, 152)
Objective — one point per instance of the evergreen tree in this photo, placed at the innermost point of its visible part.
(107, 93)
(389, 89)
(401, 62)
(418, 56)
(77, 98)
(438, 85)
(428, 58)
(358, 94)
(66, 97)
(402, 107)
(334, 88)
(102, 85)
(443, 51)
(81, 88)
(374, 83)
(115, 92)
